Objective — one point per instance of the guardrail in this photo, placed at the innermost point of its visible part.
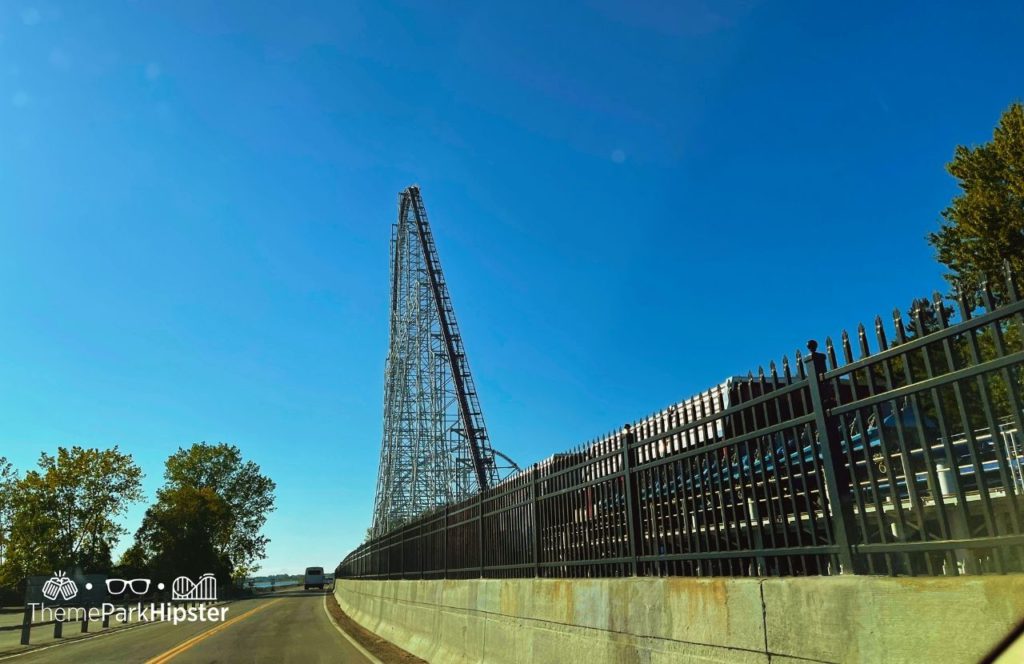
(906, 459)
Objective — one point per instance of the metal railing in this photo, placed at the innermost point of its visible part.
(906, 459)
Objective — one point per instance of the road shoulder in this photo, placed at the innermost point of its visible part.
(372, 646)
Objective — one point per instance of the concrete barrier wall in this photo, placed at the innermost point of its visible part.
(661, 620)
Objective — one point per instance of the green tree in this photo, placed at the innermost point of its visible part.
(937, 359)
(247, 493)
(135, 560)
(65, 514)
(8, 481)
(178, 535)
(984, 225)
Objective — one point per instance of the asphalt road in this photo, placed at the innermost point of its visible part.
(281, 627)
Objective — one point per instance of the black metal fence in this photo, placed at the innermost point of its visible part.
(904, 459)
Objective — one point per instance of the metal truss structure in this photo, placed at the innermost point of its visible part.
(435, 448)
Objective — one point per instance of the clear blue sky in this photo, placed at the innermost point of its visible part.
(631, 202)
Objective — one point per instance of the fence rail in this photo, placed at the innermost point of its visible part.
(906, 459)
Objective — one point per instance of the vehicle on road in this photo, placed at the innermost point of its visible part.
(314, 578)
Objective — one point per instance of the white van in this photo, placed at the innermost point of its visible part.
(314, 578)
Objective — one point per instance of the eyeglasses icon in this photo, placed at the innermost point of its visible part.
(118, 586)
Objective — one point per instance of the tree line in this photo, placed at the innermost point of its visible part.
(66, 513)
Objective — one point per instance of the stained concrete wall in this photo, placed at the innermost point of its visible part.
(661, 620)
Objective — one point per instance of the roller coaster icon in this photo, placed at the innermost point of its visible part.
(203, 590)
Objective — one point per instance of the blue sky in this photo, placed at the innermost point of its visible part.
(631, 202)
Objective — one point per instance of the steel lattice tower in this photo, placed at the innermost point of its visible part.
(435, 448)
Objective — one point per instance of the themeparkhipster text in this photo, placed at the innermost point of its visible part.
(158, 612)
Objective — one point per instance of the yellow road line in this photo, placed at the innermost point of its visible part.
(182, 647)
